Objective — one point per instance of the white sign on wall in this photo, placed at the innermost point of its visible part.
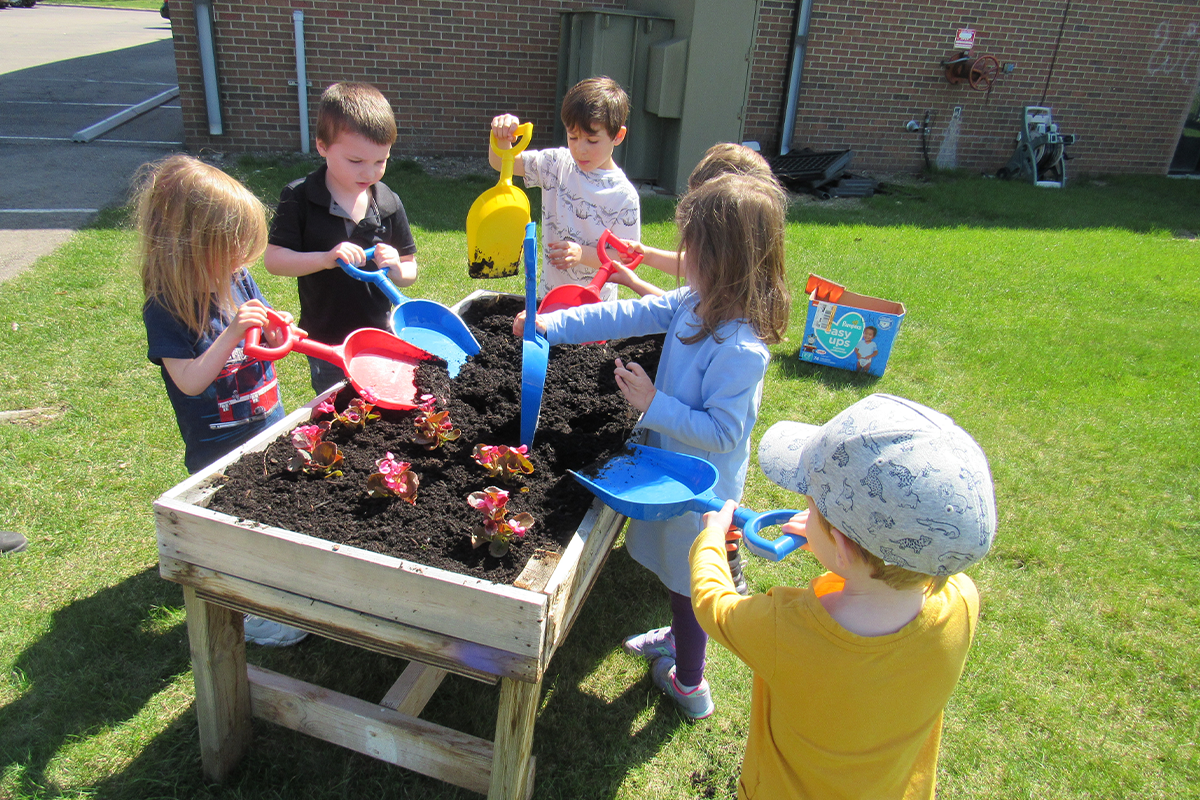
(964, 39)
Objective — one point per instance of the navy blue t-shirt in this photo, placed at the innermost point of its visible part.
(243, 400)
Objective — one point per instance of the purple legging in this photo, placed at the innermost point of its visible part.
(690, 641)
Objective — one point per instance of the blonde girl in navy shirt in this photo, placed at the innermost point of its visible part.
(200, 229)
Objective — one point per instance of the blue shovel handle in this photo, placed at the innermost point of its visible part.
(530, 252)
(377, 277)
(751, 523)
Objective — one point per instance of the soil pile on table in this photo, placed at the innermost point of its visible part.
(584, 419)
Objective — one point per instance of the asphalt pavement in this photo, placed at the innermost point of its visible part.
(62, 70)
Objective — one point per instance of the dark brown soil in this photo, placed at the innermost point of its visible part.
(584, 419)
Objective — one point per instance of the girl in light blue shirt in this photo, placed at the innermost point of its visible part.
(705, 398)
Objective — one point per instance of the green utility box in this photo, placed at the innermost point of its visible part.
(686, 67)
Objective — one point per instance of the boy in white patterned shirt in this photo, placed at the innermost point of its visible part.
(583, 190)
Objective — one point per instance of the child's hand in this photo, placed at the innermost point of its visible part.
(277, 335)
(635, 384)
(250, 314)
(634, 249)
(519, 325)
(723, 520)
(622, 275)
(504, 128)
(349, 252)
(564, 255)
(386, 257)
(798, 525)
(401, 270)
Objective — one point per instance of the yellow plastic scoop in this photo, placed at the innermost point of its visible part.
(497, 219)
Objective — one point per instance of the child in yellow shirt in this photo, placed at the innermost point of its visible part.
(853, 671)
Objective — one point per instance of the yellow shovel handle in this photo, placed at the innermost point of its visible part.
(524, 134)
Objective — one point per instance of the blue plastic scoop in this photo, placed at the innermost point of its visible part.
(423, 323)
(535, 350)
(649, 483)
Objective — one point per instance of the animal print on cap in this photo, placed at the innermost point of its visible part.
(899, 478)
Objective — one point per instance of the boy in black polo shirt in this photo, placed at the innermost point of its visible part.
(338, 211)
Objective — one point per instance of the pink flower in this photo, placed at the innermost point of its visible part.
(490, 501)
(307, 437)
(388, 465)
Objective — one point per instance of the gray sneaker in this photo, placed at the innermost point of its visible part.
(269, 633)
(696, 704)
(12, 542)
(658, 643)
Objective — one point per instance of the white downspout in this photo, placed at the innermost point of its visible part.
(799, 45)
(208, 65)
(301, 79)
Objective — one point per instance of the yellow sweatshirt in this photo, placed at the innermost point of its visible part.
(834, 714)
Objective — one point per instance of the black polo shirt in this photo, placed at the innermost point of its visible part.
(333, 304)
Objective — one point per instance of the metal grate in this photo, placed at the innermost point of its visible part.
(807, 166)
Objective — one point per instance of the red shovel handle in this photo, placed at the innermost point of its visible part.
(607, 267)
(254, 347)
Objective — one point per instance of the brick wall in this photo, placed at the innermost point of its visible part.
(447, 67)
(1125, 73)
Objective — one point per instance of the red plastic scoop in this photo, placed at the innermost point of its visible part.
(377, 363)
(570, 295)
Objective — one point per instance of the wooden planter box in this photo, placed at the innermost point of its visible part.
(441, 621)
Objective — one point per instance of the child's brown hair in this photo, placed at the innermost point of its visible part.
(895, 576)
(731, 228)
(358, 108)
(593, 103)
(198, 226)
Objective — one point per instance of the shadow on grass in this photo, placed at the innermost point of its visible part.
(788, 365)
(1137, 203)
(99, 663)
(98, 667)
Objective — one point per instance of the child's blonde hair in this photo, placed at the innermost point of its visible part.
(356, 107)
(895, 576)
(731, 228)
(198, 226)
(728, 158)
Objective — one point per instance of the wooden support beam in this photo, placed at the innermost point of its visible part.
(218, 650)
(367, 728)
(512, 776)
(413, 688)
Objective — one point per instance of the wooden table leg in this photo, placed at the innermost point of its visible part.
(215, 635)
(511, 778)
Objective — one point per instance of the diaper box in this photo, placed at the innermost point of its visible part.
(847, 330)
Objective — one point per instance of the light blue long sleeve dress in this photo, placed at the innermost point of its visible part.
(706, 405)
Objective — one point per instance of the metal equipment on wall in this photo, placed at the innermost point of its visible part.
(1040, 156)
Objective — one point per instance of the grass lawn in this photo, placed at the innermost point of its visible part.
(1055, 326)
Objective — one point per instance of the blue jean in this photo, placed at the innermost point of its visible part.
(323, 374)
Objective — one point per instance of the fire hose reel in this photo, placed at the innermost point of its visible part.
(979, 72)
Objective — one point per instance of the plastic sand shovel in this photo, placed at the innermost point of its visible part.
(653, 484)
(570, 295)
(828, 291)
(428, 325)
(378, 364)
(535, 350)
(497, 219)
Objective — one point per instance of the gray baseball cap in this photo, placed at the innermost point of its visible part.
(898, 478)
